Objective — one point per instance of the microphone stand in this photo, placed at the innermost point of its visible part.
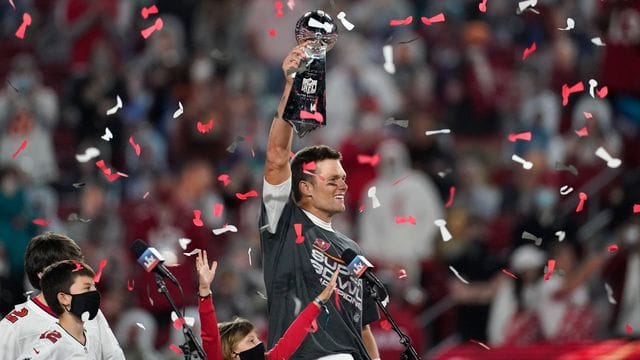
(190, 345)
(410, 352)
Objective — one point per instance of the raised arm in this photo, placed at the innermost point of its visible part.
(208, 321)
(277, 169)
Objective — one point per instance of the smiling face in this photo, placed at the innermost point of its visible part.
(248, 342)
(324, 194)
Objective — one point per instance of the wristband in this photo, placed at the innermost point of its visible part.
(318, 301)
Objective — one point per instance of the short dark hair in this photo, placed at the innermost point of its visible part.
(309, 154)
(59, 277)
(232, 333)
(46, 249)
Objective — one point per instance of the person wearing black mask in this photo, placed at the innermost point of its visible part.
(70, 291)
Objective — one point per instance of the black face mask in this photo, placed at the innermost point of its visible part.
(255, 353)
(85, 302)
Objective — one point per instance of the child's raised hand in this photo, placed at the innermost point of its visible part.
(328, 291)
(206, 273)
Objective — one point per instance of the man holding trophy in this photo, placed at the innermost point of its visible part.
(300, 248)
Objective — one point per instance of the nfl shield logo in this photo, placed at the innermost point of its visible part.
(309, 85)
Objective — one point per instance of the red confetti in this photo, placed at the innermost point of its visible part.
(362, 208)
(483, 6)
(305, 115)
(432, 20)
(480, 343)
(551, 264)
(146, 11)
(583, 198)
(78, 266)
(226, 179)
(135, 146)
(583, 132)
(385, 325)
(196, 218)
(310, 166)
(23, 145)
(98, 275)
(299, 236)
(602, 93)
(406, 21)
(628, 328)
(217, 210)
(587, 115)
(336, 297)
(150, 30)
(130, 284)
(41, 222)
(402, 273)
(636, 208)
(528, 51)
(521, 136)
(175, 349)
(273, 32)
(106, 171)
(177, 323)
(278, 6)
(371, 160)
(410, 219)
(613, 248)
(203, 128)
(507, 272)
(452, 193)
(247, 195)
(26, 21)
(397, 181)
(313, 327)
(566, 91)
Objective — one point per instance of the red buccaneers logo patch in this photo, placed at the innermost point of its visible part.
(321, 244)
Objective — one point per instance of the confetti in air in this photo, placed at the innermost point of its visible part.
(480, 343)
(204, 128)
(526, 136)
(175, 349)
(225, 179)
(98, 275)
(141, 326)
(299, 236)
(387, 53)
(151, 29)
(432, 20)
(26, 21)
(611, 161)
(434, 132)
(568, 90)
(598, 41)
(529, 236)
(23, 145)
(528, 51)
(178, 112)
(452, 193)
(444, 232)
(42, 222)
(570, 25)
(584, 132)
(89, 154)
(402, 273)
(342, 17)
(406, 21)
(291, 4)
(527, 165)
(278, 6)
(455, 272)
(409, 219)
(392, 121)
(217, 209)
(192, 252)
(107, 135)
(371, 160)
(135, 146)
(225, 229)
(583, 198)
(551, 264)
(371, 193)
(146, 11)
(561, 235)
(117, 106)
(636, 208)
(612, 248)
(609, 291)
(197, 221)
(527, 4)
(245, 196)
(483, 6)
(570, 168)
(184, 242)
(566, 190)
(249, 255)
(509, 273)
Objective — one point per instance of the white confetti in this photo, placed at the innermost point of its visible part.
(561, 235)
(566, 190)
(455, 272)
(107, 134)
(249, 253)
(387, 52)
(570, 25)
(114, 109)
(527, 165)
(611, 161)
(434, 132)
(592, 86)
(192, 252)
(524, 5)
(178, 112)
(347, 25)
(598, 41)
(224, 229)
(291, 4)
(609, 290)
(184, 242)
(374, 199)
(442, 224)
(141, 326)
(89, 153)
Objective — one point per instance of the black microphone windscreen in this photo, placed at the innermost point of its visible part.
(348, 255)
(138, 247)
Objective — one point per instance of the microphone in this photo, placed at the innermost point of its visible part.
(360, 267)
(151, 260)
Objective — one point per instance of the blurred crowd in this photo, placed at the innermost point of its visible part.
(220, 60)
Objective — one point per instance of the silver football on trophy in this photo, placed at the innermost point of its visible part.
(317, 30)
